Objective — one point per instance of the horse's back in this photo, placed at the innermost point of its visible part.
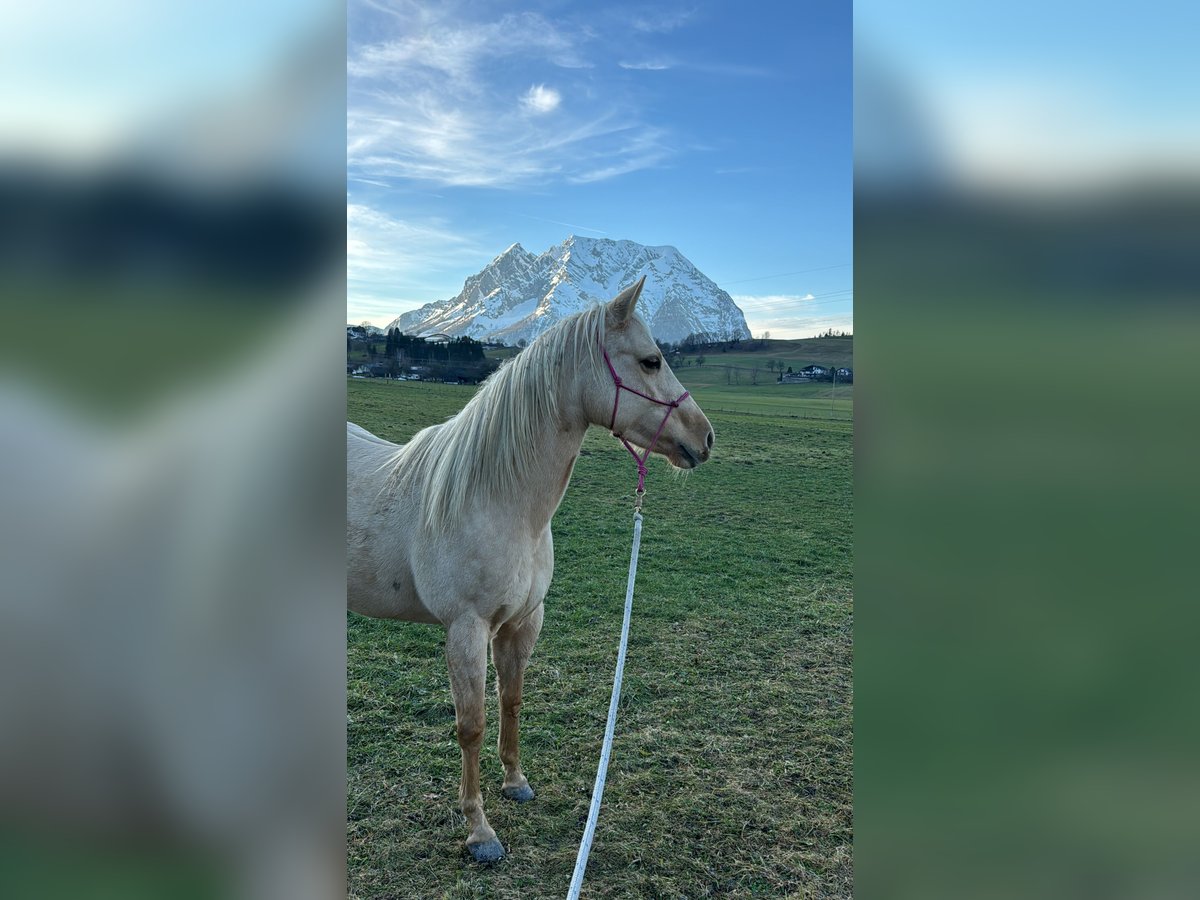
(358, 432)
(379, 579)
(366, 456)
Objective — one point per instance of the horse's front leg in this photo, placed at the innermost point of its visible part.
(466, 653)
(511, 648)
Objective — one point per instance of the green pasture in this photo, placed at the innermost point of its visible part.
(727, 379)
(815, 399)
(731, 769)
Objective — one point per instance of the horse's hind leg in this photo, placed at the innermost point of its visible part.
(511, 648)
(466, 653)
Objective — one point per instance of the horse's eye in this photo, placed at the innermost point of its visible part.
(652, 363)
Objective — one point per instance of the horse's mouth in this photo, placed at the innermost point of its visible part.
(687, 459)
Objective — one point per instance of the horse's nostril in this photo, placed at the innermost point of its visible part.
(709, 439)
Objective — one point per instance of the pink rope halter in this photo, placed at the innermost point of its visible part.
(671, 405)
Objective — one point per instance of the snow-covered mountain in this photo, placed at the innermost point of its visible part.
(518, 295)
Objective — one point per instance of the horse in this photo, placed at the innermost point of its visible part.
(453, 528)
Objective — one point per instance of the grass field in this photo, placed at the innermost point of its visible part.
(731, 770)
(813, 400)
(795, 353)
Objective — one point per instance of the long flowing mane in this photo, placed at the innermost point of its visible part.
(489, 446)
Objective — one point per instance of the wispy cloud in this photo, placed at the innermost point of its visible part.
(541, 99)
(393, 265)
(794, 315)
(438, 105)
(640, 148)
(648, 66)
(457, 50)
(759, 302)
(563, 224)
(662, 21)
(731, 70)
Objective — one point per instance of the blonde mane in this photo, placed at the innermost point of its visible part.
(489, 445)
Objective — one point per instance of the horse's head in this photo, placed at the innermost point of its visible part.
(642, 410)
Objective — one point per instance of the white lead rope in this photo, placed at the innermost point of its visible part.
(589, 830)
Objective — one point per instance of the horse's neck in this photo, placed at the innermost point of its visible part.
(538, 497)
(557, 446)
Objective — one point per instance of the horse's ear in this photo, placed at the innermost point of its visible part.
(620, 308)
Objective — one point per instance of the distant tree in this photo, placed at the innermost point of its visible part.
(700, 358)
(754, 375)
(522, 343)
(789, 371)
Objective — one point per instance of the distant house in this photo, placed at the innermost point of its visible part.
(793, 378)
(844, 374)
(814, 371)
(368, 370)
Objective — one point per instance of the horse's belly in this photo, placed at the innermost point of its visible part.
(384, 604)
(385, 590)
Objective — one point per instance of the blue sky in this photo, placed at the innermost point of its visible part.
(723, 129)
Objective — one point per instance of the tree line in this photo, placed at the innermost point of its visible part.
(457, 359)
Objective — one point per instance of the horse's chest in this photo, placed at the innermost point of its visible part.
(500, 578)
(526, 575)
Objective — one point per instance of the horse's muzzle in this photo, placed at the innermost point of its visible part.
(691, 458)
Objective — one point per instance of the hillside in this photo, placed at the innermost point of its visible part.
(838, 351)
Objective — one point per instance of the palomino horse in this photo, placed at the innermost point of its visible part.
(453, 527)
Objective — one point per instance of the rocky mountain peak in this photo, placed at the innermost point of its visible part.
(519, 294)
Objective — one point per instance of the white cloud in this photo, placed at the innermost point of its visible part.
(648, 66)
(736, 70)
(429, 105)
(790, 316)
(541, 99)
(394, 265)
(770, 301)
(662, 21)
(456, 49)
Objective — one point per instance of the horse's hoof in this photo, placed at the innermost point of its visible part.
(487, 851)
(522, 794)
